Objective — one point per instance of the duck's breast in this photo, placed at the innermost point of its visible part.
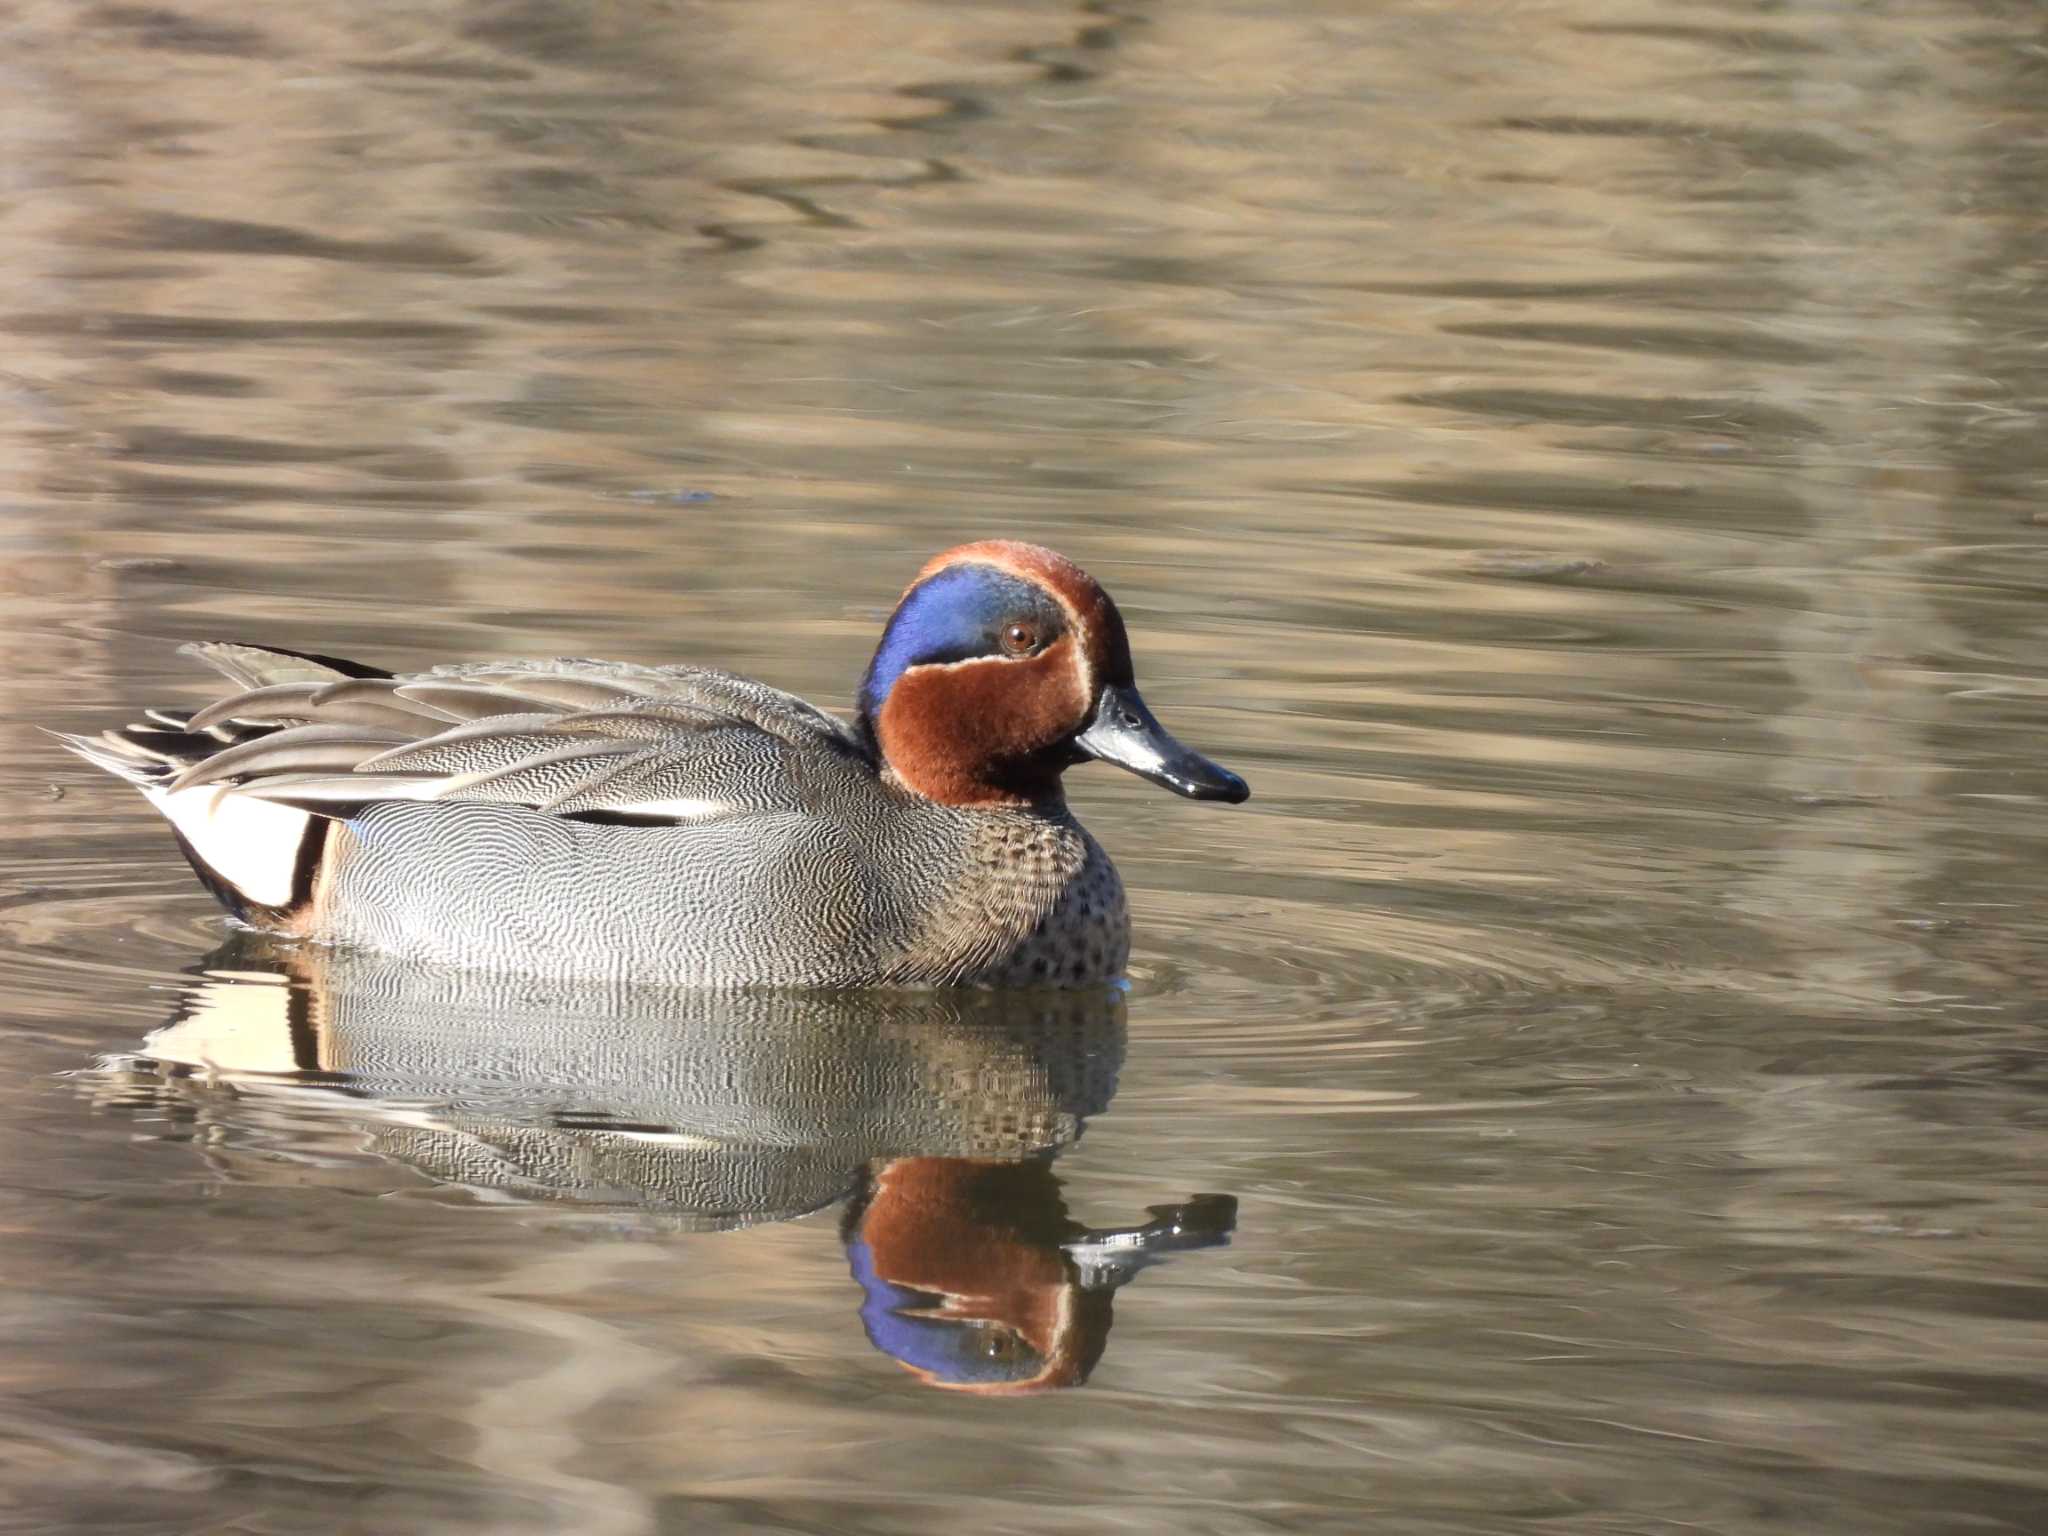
(1028, 899)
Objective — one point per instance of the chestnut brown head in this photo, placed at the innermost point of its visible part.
(1003, 665)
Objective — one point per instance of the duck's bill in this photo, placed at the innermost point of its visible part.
(1123, 732)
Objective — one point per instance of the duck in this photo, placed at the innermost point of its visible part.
(676, 825)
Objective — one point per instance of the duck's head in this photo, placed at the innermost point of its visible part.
(1005, 664)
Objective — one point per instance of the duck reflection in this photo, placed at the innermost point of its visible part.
(976, 1279)
(935, 1116)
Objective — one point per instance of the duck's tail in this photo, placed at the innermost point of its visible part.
(258, 858)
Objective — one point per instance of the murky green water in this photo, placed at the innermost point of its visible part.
(1584, 462)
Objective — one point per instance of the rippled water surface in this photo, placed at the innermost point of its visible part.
(1583, 461)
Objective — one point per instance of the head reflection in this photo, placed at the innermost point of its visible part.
(965, 1278)
(935, 1116)
(976, 1279)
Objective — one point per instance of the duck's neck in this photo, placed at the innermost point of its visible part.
(949, 767)
(941, 785)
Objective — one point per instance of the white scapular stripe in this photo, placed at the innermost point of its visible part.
(680, 810)
(252, 844)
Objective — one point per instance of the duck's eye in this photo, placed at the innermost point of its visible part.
(999, 1344)
(1020, 639)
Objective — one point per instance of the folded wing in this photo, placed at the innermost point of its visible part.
(592, 740)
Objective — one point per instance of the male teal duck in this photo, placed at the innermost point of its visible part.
(680, 826)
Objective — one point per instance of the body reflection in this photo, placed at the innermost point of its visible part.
(935, 1116)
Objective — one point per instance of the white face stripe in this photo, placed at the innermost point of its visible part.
(969, 661)
(1087, 671)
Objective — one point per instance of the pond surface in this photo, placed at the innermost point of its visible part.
(1583, 462)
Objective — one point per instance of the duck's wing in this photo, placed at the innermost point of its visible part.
(587, 739)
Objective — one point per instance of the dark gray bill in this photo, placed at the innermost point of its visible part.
(1123, 732)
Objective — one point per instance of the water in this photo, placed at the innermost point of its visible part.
(1581, 461)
